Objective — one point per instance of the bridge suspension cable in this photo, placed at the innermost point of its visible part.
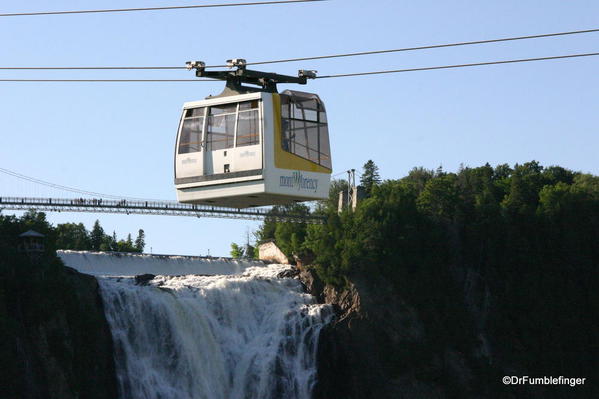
(71, 189)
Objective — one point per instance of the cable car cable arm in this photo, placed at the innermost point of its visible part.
(267, 81)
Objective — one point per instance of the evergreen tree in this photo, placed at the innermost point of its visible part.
(140, 241)
(114, 242)
(97, 236)
(251, 252)
(370, 177)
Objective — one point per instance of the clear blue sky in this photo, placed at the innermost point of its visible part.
(118, 138)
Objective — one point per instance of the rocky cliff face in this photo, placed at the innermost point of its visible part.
(382, 346)
(55, 341)
(365, 352)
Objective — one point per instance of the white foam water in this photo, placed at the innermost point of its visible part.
(131, 264)
(247, 336)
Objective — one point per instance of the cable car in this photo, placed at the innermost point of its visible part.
(252, 146)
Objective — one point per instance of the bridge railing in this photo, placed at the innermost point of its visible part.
(174, 208)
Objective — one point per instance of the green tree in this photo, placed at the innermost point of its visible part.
(555, 174)
(72, 236)
(251, 251)
(587, 183)
(33, 220)
(525, 183)
(370, 177)
(337, 186)
(417, 178)
(439, 196)
(552, 199)
(237, 251)
(140, 241)
(109, 243)
(30, 220)
(288, 236)
(97, 236)
(113, 242)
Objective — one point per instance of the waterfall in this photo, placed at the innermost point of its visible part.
(129, 264)
(245, 336)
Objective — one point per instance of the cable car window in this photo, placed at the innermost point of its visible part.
(298, 138)
(190, 113)
(284, 108)
(221, 127)
(223, 109)
(304, 127)
(311, 115)
(322, 117)
(246, 105)
(190, 139)
(248, 130)
(313, 137)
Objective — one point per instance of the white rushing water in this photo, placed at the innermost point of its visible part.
(131, 264)
(248, 336)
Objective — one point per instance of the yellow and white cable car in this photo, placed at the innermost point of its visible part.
(252, 146)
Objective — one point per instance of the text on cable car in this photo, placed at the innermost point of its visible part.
(296, 180)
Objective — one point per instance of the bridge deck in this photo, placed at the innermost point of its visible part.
(172, 208)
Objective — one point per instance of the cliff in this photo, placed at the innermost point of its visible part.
(54, 338)
(387, 345)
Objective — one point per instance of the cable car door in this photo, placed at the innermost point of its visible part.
(219, 138)
(189, 164)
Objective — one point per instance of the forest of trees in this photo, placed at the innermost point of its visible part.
(73, 236)
(508, 206)
(529, 232)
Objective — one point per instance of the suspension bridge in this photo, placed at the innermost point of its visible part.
(92, 202)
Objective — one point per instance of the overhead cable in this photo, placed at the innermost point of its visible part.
(341, 75)
(92, 68)
(362, 53)
(427, 47)
(66, 188)
(257, 3)
(108, 80)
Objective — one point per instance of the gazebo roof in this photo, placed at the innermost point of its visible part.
(32, 233)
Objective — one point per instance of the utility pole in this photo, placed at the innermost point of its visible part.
(349, 200)
(351, 189)
(247, 249)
